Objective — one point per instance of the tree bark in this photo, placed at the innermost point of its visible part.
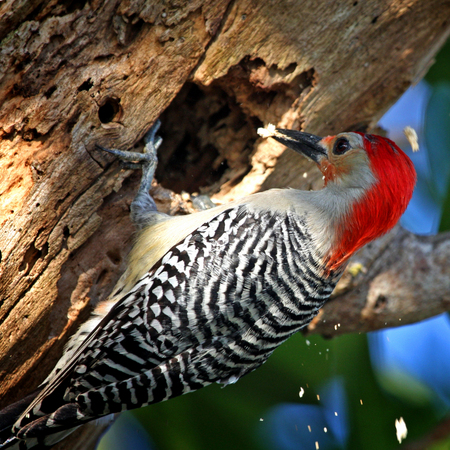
(77, 73)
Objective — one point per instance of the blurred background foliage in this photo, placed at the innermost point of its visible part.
(344, 393)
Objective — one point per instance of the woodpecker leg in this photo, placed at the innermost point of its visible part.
(143, 207)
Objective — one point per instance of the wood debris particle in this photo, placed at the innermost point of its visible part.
(401, 430)
(412, 137)
(270, 130)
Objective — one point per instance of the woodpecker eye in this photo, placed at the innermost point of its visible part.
(341, 146)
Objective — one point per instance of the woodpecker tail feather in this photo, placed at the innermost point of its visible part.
(42, 443)
(8, 417)
(35, 435)
(12, 412)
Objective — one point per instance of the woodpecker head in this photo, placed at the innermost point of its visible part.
(372, 176)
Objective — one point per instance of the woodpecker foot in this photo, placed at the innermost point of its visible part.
(143, 207)
(146, 161)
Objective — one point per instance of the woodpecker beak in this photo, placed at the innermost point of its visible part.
(305, 143)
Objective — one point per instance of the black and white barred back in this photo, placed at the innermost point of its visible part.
(211, 310)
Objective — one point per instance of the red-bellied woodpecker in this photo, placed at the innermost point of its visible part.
(208, 297)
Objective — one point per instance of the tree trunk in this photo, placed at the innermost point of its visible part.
(77, 73)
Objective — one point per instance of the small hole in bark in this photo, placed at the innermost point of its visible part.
(62, 63)
(66, 232)
(48, 93)
(290, 68)
(72, 6)
(381, 302)
(30, 135)
(101, 276)
(0, 256)
(22, 64)
(114, 256)
(374, 20)
(32, 255)
(109, 111)
(85, 86)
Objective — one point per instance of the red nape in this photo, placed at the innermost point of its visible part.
(384, 203)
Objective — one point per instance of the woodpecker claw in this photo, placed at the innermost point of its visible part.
(147, 160)
(152, 144)
(126, 156)
(143, 204)
(151, 135)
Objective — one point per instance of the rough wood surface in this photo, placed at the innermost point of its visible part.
(76, 73)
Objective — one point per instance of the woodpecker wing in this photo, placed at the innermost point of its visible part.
(211, 309)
